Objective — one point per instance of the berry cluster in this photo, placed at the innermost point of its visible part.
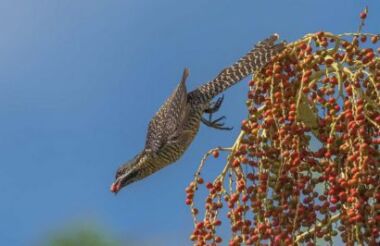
(306, 165)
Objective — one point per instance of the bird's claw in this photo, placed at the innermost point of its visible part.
(214, 107)
(216, 123)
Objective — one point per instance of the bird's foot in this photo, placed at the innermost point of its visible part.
(216, 123)
(214, 106)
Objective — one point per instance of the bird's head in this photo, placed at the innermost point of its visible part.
(129, 172)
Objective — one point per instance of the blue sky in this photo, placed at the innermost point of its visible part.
(79, 81)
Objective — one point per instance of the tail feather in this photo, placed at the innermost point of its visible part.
(254, 60)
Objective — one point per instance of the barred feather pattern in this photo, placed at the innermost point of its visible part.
(254, 60)
(173, 150)
(148, 162)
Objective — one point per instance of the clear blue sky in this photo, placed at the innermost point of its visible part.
(79, 81)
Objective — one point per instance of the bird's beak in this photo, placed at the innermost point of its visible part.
(115, 187)
(124, 180)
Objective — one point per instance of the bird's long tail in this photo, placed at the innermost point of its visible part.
(254, 60)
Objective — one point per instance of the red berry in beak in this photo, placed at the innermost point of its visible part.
(114, 188)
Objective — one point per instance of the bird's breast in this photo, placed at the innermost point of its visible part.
(172, 151)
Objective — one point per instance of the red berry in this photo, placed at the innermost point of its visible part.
(218, 239)
(215, 153)
(209, 185)
(374, 39)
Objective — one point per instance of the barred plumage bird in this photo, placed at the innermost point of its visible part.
(176, 123)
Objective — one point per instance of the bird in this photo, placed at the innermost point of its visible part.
(176, 123)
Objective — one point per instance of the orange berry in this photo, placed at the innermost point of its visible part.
(374, 39)
(235, 163)
(215, 153)
(209, 185)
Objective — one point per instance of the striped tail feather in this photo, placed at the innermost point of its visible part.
(254, 60)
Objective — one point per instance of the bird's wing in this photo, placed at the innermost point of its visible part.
(169, 119)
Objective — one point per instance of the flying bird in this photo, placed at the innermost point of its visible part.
(174, 126)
